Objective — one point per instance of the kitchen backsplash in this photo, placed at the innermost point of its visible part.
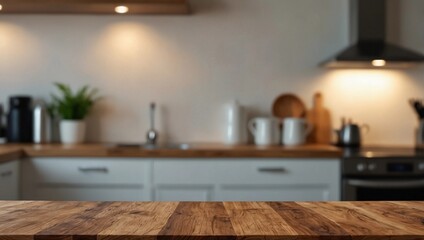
(192, 66)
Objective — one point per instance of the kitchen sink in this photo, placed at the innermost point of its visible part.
(164, 146)
(181, 146)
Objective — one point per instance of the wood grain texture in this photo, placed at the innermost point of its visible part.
(356, 219)
(85, 225)
(211, 220)
(199, 219)
(30, 218)
(195, 151)
(308, 222)
(258, 220)
(409, 217)
(411, 204)
(145, 219)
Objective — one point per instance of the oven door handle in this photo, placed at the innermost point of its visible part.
(385, 184)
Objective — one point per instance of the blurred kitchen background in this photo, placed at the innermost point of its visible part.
(192, 65)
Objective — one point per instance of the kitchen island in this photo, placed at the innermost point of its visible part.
(214, 220)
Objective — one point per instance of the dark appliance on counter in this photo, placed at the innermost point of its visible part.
(350, 135)
(19, 120)
(383, 174)
(2, 127)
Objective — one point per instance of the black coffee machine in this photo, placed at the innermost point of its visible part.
(20, 120)
(2, 127)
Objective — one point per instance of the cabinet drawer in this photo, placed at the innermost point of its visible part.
(89, 171)
(246, 172)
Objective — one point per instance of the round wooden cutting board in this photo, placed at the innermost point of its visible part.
(288, 105)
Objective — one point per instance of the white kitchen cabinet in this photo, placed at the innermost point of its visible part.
(137, 179)
(87, 179)
(246, 180)
(9, 180)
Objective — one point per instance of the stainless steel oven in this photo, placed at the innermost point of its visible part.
(391, 178)
(383, 189)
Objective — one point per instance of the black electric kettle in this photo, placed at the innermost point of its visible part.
(349, 135)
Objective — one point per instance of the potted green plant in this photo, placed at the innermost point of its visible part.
(72, 109)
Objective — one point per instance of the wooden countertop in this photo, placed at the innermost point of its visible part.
(10, 152)
(212, 220)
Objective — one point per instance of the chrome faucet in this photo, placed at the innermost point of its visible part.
(152, 134)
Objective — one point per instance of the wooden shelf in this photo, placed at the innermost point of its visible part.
(167, 7)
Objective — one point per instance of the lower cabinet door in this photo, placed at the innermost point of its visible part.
(184, 193)
(89, 194)
(243, 193)
(86, 179)
(274, 193)
(9, 181)
(246, 180)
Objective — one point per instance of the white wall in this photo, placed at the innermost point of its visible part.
(191, 65)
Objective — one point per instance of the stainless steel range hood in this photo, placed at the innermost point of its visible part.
(371, 49)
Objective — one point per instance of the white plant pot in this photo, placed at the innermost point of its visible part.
(72, 131)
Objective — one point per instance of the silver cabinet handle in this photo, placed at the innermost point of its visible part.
(93, 169)
(385, 184)
(6, 173)
(273, 169)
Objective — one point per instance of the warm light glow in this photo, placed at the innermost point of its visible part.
(377, 97)
(130, 50)
(355, 84)
(19, 50)
(363, 92)
(121, 9)
(1, 7)
(378, 63)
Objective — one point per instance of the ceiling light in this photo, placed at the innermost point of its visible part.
(121, 9)
(378, 63)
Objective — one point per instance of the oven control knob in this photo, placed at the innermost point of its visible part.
(372, 166)
(361, 167)
(421, 166)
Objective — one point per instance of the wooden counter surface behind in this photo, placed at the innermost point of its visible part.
(194, 151)
(10, 153)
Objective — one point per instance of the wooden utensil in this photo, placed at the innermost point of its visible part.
(320, 117)
(288, 105)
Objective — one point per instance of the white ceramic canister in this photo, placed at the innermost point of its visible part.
(236, 124)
